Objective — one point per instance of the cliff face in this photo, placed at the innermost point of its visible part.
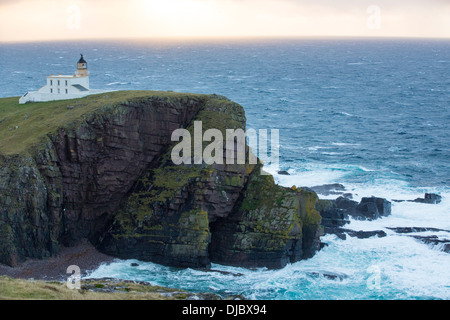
(107, 176)
(270, 226)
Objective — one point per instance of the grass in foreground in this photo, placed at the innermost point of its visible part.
(19, 289)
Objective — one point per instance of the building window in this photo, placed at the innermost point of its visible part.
(66, 83)
(51, 90)
(59, 83)
(67, 91)
(51, 82)
(59, 91)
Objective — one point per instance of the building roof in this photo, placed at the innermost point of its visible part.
(80, 87)
(61, 76)
(82, 60)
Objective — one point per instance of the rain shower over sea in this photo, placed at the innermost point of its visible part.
(372, 115)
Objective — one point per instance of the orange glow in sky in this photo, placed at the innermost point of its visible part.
(38, 20)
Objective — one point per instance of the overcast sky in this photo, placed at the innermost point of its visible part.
(36, 20)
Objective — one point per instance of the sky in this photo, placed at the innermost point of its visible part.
(43, 20)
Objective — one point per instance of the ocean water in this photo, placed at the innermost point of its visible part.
(372, 115)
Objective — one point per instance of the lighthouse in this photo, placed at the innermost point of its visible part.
(63, 87)
(82, 69)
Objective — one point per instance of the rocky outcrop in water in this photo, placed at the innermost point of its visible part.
(107, 177)
(336, 213)
(429, 198)
(372, 208)
(442, 244)
(342, 233)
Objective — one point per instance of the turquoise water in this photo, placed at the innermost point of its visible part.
(371, 114)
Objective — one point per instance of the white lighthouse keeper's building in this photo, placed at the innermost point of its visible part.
(61, 87)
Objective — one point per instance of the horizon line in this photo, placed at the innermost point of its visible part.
(226, 38)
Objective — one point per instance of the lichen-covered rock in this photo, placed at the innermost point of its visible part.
(269, 227)
(8, 252)
(26, 223)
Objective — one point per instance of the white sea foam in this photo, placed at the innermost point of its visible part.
(117, 83)
(346, 114)
(330, 87)
(315, 148)
(310, 176)
(345, 144)
(335, 153)
(366, 169)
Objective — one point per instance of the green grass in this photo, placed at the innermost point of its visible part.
(19, 289)
(23, 125)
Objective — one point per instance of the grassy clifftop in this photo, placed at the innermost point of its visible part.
(24, 125)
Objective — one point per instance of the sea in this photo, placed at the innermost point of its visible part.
(370, 114)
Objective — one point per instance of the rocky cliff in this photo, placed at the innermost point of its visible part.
(100, 168)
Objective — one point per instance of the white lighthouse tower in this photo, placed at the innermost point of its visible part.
(63, 87)
(82, 69)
